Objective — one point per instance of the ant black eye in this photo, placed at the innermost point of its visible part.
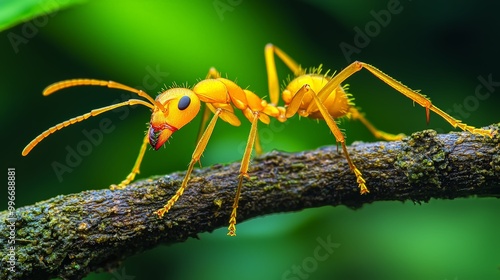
(184, 102)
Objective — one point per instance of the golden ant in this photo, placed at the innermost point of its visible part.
(310, 94)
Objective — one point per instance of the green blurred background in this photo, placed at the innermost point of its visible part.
(441, 48)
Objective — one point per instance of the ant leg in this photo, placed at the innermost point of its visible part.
(294, 105)
(204, 120)
(339, 136)
(356, 115)
(413, 95)
(198, 151)
(135, 169)
(212, 74)
(272, 76)
(245, 162)
(258, 147)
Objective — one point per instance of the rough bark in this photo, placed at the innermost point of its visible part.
(69, 236)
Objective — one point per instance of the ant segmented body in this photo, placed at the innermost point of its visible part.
(309, 94)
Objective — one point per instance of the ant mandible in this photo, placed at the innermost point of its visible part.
(310, 94)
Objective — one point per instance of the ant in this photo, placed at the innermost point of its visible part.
(310, 94)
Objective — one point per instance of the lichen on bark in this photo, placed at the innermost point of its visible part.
(69, 236)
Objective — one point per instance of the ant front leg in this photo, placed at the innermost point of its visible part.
(135, 169)
(198, 151)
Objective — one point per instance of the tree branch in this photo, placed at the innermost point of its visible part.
(69, 236)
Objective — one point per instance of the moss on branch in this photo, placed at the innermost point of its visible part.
(69, 236)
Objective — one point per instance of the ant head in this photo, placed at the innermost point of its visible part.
(181, 106)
